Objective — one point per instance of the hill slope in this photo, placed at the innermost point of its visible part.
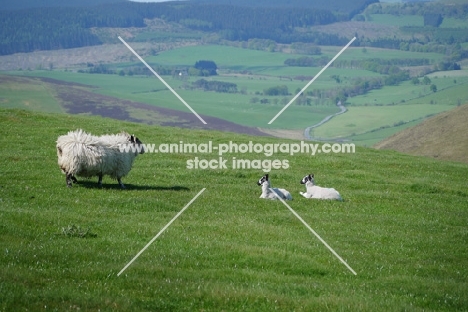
(50, 95)
(61, 248)
(443, 136)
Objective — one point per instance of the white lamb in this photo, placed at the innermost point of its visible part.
(82, 154)
(267, 190)
(314, 191)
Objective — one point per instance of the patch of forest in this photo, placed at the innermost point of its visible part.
(342, 6)
(28, 4)
(61, 27)
(420, 8)
(49, 28)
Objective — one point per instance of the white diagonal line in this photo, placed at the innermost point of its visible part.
(313, 79)
(162, 80)
(313, 232)
(160, 232)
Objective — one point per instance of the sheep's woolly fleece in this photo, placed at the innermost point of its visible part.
(85, 155)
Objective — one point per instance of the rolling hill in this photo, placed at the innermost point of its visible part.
(443, 137)
(401, 227)
(358, 77)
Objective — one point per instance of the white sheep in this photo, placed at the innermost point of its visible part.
(267, 190)
(314, 191)
(82, 154)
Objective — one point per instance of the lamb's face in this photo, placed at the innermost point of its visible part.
(263, 180)
(308, 178)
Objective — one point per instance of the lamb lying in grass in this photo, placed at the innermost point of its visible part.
(314, 191)
(267, 192)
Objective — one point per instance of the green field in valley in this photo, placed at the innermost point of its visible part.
(33, 96)
(233, 107)
(255, 71)
(361, 118)
(400, 20)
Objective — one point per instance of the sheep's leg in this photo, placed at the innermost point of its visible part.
(68, 179)
(100, 180)
(74, 179)
(306, 195)
(120, 183)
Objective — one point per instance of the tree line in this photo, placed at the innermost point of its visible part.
(216, 86)
(59, 27)
(69, 27)
(455, 10)
(372, 64)
(28, 4)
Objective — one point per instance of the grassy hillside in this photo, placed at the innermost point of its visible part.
(49, 95)
(370, 118)
(254, 66)
(442, 136)
(402, 227)
(254, 71)
(27, 93)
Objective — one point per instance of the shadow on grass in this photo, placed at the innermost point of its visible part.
(129, 187)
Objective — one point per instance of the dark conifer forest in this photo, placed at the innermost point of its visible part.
(31, 25)
(26, 28)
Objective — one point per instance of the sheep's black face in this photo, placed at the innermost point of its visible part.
(307, 178)
(136, 141)
(263, 180)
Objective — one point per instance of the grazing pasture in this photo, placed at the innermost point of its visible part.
(401, 226)
(255, 71)
(360, 118)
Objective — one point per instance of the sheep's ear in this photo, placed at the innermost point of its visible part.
(311, 175)
(266, 176)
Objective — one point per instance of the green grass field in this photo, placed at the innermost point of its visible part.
(402, 227)
(34, 96)
(374, 136)
(453, 23)
(254, 71)
(400, 20)
(361, 118)
(233, 107)
(450, 91)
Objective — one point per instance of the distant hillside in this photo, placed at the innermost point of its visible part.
(444, 136)
(30, 25)
(28, 4)
(50, 28)
(343, 6)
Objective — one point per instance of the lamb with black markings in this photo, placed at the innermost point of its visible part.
(269, 193)
(317, 192)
